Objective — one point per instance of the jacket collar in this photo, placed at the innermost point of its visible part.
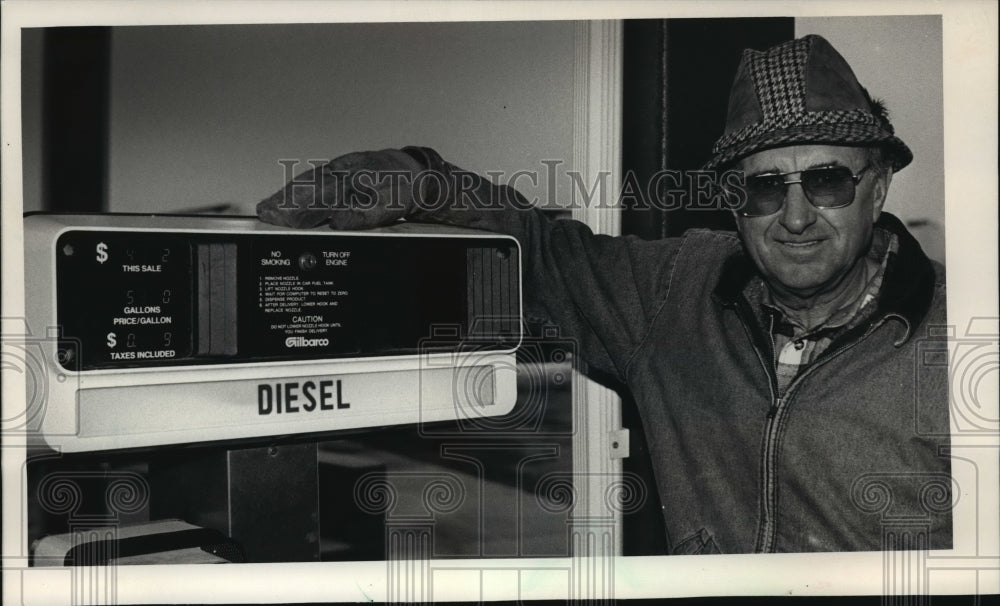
(907, 288)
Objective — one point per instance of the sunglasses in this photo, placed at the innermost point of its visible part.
(830, 187)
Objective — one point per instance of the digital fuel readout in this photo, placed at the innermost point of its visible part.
(125, 296)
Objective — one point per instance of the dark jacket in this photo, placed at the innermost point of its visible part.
(853, 457)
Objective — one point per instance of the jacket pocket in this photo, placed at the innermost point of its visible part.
(700, 543)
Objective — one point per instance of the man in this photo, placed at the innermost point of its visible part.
(777, 370)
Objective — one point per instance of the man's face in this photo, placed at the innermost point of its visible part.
(806, 251)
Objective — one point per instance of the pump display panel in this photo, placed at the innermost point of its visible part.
(170, 299)
(169, 329)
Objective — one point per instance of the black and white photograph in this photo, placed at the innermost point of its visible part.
(426, 301)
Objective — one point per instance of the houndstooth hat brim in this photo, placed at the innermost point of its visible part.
(862, 135)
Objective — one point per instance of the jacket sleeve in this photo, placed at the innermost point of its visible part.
(600, 291)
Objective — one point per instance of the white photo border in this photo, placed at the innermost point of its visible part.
(970, 102)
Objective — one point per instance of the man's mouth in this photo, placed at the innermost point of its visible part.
(800, 245)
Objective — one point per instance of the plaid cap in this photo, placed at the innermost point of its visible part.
(798, 93)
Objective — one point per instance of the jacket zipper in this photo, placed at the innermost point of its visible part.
(772, 384)
(770, 453)
(767, 527)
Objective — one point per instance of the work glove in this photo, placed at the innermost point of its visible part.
(355, 191)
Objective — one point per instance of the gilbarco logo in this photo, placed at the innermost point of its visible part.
(304, 342)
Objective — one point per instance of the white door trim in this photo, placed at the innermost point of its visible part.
(597, 128)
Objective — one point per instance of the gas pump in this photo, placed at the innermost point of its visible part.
(193, 361)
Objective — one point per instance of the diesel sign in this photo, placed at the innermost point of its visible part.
(292, 397)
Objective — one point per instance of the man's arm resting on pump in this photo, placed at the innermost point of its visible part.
(581, 282)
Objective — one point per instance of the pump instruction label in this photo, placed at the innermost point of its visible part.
(303, 298)
(341, 296)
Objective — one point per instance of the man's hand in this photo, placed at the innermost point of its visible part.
(355, 191)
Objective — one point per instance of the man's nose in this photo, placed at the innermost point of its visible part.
(798, 213)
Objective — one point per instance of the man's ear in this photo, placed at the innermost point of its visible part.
(880, 189)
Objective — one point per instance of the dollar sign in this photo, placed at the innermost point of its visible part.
(102, 252)
(112, 339)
